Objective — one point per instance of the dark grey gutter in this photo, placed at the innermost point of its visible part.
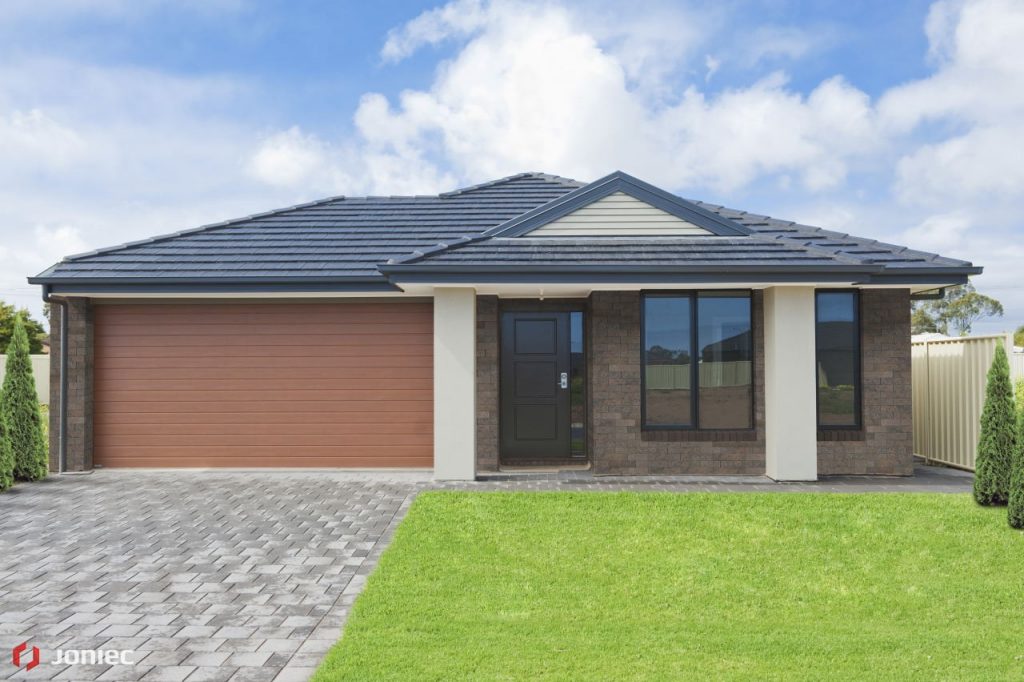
(513, 270)
(639, 274)
(213, 285)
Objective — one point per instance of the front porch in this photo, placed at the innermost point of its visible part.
(608, 429)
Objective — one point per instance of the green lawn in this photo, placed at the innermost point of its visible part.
(810, 586)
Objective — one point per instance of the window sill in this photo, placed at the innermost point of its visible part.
(697, 436)
(839, 435)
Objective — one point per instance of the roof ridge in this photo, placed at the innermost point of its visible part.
(568, 182)
(201, 228)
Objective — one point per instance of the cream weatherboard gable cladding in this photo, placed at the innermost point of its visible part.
(619, 214)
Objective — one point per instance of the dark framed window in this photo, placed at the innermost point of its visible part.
(837, 358)
(697, 362)
(578, 386)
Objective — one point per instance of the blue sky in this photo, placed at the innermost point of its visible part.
(120, 119)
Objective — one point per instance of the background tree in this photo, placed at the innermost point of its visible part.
(922, 322)
(1018, 336)
(1015, 512)
(959, 309)
(20, 416)
(36, 331)
(997, 445)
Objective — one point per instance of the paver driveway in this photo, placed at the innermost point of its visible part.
(203, 575)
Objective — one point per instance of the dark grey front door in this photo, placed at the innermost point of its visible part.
(534, 386)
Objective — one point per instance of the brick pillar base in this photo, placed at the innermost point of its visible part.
(79, 383)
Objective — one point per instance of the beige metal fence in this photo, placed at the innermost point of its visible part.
(948, 393)
(41, 373)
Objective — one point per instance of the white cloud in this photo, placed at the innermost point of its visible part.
(768, 43)
(33, 142)
(967, 168)
(943, 233)
(289, 158)
(979, 47)
(536, 86)
(712, 64)
(455, 19)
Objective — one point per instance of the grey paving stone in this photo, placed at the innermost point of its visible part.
(125, 673)
(249, 659)
(171, 673)
(280, 645)
(255, 674)
(217, 674)
(294, 674)
(209, 659)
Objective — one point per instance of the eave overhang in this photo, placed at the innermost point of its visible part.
(223, 285)
(419, 273)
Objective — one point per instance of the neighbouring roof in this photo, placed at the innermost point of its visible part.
(369, 243)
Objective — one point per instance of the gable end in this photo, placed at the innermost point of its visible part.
(619, 214)
(618, 183)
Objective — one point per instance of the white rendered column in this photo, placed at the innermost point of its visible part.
(790, 386)
(455, 383)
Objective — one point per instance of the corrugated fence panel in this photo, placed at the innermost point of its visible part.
(1017, 366)
(40, 372)
(948, 378)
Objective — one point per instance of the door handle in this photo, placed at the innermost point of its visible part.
(563, 380)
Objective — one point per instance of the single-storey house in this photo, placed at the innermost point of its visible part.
(524, 322)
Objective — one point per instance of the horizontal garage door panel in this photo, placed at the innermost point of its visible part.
(264, 385)
(311, 374)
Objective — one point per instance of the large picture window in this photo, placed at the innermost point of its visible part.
(837, 351)
(697, 360)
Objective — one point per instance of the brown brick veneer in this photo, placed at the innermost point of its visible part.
(80, 385)
(487, 383)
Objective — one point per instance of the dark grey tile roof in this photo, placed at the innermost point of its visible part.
(859, 249)
(349, 238)
(332, 238)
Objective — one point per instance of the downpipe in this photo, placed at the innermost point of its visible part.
(62, 403)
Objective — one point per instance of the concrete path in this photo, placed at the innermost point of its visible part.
(214, 575)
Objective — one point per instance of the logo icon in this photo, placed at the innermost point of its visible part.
(19, 650)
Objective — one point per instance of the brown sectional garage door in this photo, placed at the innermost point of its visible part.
(264, 385)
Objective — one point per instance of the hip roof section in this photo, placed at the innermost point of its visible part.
(373, 242)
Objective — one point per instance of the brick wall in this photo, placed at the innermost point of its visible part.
(80, 385)
(617, 444)
(886, 443)
(487, 383)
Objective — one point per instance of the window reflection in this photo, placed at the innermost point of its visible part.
(667, 358)
(837, 341)
(725, 363)
(578, 387)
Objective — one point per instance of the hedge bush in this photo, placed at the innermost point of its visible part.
(1015, 513)
(23, 442)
